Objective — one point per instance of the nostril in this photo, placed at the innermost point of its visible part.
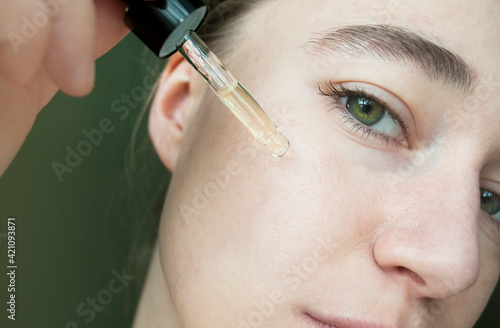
(410, 274)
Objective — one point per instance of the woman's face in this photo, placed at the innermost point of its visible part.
(383, 213)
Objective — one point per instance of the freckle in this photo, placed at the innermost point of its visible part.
(262, 200)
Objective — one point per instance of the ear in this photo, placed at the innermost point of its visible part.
(170, 110)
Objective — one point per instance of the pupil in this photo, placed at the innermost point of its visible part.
(366, 107)
(365, 111)
(486, 197)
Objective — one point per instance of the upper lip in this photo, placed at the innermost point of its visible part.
(342, 322)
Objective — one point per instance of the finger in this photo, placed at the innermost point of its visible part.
(24, 35)
(110, 26)
(69, 59)
(19, 107)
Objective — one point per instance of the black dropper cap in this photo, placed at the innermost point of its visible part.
(162, 24)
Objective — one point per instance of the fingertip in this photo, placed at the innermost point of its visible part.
(80, 82)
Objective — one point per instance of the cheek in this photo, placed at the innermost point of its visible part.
(490, 270)
(237, 217)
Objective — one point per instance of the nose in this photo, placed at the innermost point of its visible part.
(430, 238)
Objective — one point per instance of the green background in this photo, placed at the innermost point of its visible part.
(72, 235)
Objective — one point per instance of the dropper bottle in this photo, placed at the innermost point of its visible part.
(168, 26)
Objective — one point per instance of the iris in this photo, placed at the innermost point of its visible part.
(490, 203)
(366, 111)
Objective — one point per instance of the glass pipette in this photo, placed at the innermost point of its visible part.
(233, 94)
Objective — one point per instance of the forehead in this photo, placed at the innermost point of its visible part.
(274, 33)
(469, 28)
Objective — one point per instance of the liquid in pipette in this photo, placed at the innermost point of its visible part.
(234, 95)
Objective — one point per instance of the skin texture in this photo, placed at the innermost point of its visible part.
(343, 226)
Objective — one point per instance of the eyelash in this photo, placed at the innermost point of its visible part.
(488, 218)
(336, 92)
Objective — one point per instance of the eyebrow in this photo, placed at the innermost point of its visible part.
(398, 44)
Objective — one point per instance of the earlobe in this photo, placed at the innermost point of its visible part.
(169, 110)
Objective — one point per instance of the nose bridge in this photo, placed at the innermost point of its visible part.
(443, 180)
(447, 187)
(447, 211)
(435, 234)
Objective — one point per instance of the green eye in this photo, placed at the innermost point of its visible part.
(490, 203)
(366, 111)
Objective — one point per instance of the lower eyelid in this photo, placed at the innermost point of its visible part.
(490, 222)
(388, 116)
